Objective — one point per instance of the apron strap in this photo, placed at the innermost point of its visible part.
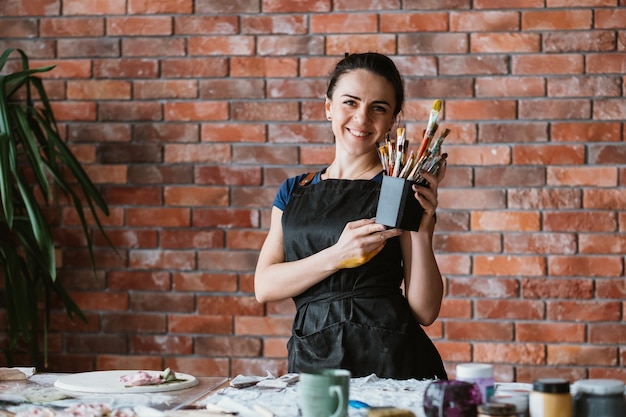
(342, 295)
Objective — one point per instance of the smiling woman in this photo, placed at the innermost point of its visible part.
(344, 271)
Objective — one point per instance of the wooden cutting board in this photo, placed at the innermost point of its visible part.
(106, 382)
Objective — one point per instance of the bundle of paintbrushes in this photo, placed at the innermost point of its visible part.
(399, 162)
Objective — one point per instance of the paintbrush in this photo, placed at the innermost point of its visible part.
(431, 127)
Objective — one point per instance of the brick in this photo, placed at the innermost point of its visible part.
(579, 221)
(128, 362)
(607, 63)
(111, 301)
(139, 26)
(510, 309)
(204, 282)
(106, 132)
(263, 326)
(504, 4)
(133, 322)
(88, 343)
(544, 198)
(547, 63)
(236, 306)
(164, 89)
(433, 88)
(541, 288)
(554, 109)
(607, 333)
(149, 46)
(578, 86)
(69, 217)
(158, 344)
(265, 155)
(138, 280)
(295, 88)
(548, 155)
(228, 346)
(195, 196)
(128, 238)
(107, 174)
(480, 110)
(126, 111)
(484, 21)
(532, 373)
(557, 20)
(610, 154)
(417, 22)
(455, 351)
(455, 264)
(544, 242)
(200, 366)
(35, 48)
(322, 66)
(78, 7)
(455, 308)
(482, 287)
(413, 66)
(579, 41)
(61, 321)
(590, 266)
(609, 109)
(471, 199)
(505, 220)
(582, 176)
(227, 260)
(67, 111)
(505, 42)
(178, 153)
(233, 132)
(510, 176)
(585, 132)
(232, 88)
(513, 132)
(185, 323)
(274, 24)
(111, 153)
(275, 347)
(592, 243)
(583, 311)
(196, 111)
(462, 330)
(518, 353)
(581, 355)
(281, 308)
(295, 6)
(550, 332)
(166, 7)
(429, 43)
(158, 217)
(203, 25)
(194, 67)
(125, 68)
(509, 265)
(604, 199)
(245, 239)
(162, 259)
(64, 27)
(165, 132)
(162, 302)
(229, 7)
(261, 67)
(88, 47)
(452, 221)
(510, 86)
(250, 197)
(221, 45)
(348, 23)
(225, 218)
(266, 111)
(190, 239)
(159, 174)
(85, 154)
(467, 242)
(613, 18)
(433, 4)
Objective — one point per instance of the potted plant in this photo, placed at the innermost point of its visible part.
(36, 168)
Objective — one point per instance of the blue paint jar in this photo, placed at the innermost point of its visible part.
(599, 398)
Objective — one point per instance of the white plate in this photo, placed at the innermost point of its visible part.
(109, 382)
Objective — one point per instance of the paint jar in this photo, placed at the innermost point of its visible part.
(550, 397)
(496, 410)
(451, 398)
(599, 398)
(515, 393)
(480, 374)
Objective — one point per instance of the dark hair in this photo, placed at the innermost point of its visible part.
(374, 62)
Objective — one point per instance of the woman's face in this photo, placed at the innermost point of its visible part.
(361, 110)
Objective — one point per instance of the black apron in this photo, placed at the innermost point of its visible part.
(357, 318)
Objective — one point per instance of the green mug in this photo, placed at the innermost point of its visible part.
(324, 392)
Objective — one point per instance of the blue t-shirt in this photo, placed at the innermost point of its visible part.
(286, 188)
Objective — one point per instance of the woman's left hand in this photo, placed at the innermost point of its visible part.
(427, 196)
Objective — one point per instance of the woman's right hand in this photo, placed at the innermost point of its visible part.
(360, 241)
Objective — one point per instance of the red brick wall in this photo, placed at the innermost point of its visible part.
(189, 115)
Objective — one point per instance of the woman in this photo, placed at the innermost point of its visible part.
(344, 271)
